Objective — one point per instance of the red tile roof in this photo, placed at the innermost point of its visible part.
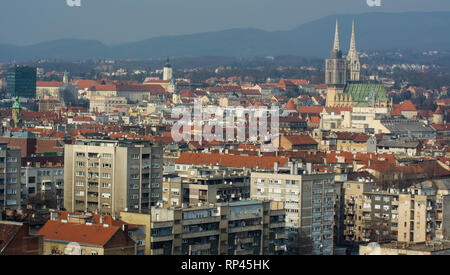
(230, 160)
(48, 84)
(95, 234)
(301, 140)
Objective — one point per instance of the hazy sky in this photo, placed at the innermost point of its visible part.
(116, 21)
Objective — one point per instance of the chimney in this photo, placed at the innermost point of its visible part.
(309, 168)
(295, 168)
(276, 165)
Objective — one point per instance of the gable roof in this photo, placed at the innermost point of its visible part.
(95, 234)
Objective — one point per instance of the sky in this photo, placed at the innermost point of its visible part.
(25, 22)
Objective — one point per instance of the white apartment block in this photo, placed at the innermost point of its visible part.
(309, 201)
(109, 176)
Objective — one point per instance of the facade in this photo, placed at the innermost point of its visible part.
(201, 185)
(21, 81)
(309, 202)
(45, 179)
(10, 188)
(369, 215)
(235, 228)
(105, 104)
(110, 176)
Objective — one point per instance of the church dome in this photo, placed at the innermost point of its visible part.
(16, 104)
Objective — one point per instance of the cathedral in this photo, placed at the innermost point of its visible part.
(342, 76)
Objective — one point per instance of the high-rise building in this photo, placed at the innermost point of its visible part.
(109, 176)
(10, 162)
(21, 81)
(309, 202)
(249, 227)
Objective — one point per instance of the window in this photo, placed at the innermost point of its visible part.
(79, 173)
(79, 164)
(106, 185)
(94, 252)
(11, 170)
(79, 193)
(12, 159)
(134, 176)
(106, 156)
(106, 165)
(134, 156)
(106, 175)
(79, 183)
(79, 154)
(12, 180)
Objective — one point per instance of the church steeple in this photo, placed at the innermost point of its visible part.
(336, 51)
(352, 52)
(352, 58)
(336, 46)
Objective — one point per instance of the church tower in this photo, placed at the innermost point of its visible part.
(354, 66)
(16, 114)
(167, 72)
(335, 71)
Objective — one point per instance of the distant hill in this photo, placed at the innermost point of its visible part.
(374, 31)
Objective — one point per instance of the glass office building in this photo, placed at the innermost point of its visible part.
(21, 81)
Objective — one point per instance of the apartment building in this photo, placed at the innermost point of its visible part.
(109, 176)
(10, 161)
(309, 202)
(40, 179)
(202, 185)
(235, 228)
(422, 212)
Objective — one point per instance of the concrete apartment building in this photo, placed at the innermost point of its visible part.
(109, 176)
(40, 179)
(234, 228)
(203, 185)
(416, 215)
(422, 213)
(309, 201)
(10, 188)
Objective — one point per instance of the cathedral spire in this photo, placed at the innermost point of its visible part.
(352, 52)
(336, 37)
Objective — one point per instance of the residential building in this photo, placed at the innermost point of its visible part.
(10, 188)
(110, 176)
(234, 228)
(309, 202)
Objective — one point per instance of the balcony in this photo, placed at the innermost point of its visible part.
(243, 252)
(198, 247)
(161, 238)
(199, 234)
(243, 241)
(245, 228)
(159, 251)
